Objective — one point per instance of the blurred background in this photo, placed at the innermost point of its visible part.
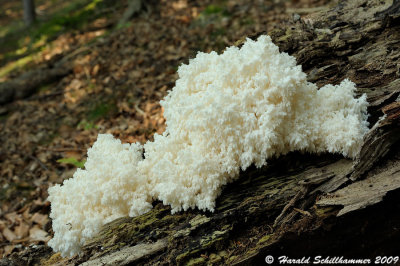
(70, 69)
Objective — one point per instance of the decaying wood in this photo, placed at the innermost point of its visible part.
(29, 82)
(379, 140)
(299, 204)
(366, 192)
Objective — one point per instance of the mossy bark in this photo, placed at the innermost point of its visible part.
(300, 204)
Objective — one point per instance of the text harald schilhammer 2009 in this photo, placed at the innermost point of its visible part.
(332, 260)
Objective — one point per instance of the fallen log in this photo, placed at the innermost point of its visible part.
(27, 84)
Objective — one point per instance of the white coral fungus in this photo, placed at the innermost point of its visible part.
(225, 113)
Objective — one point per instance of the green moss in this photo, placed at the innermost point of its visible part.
(214, 258)
(46, 87)
(54, 259)
(212, 9)
(215, 240)
(223, 254)
(19, 41)
(85, 125)
(264, 239)
(218, 32)
(181, 258)
(20, 63)
(124, 25)
(231, 259)
(198, 220)
(284, 38)
(181, 233)
(326, 211)
(95, 113)
(196, 262)
(73, 16)
(215, 9)
(100, 110)
(247, 21)
(133, 230)
(212, 14)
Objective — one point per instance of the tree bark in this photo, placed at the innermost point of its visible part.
(27, 84)
(299, 205)
(29, 12)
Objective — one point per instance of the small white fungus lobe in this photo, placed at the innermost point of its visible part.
(225, 113)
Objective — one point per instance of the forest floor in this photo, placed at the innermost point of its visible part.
(119, 74)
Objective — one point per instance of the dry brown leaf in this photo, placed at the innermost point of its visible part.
(80, 137)
(75, 154)
(95, 69)
(106, 80)
(9, 235)
(38, 203)
(8, 249)
(37, 234)
(3, 224)
(12, 217)
(78, 68)
(14, 118)
(43, 157)
(26, 213)
(75, 84)
(65, 131)
(21, 230)
(67, 174)
(40, 219)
